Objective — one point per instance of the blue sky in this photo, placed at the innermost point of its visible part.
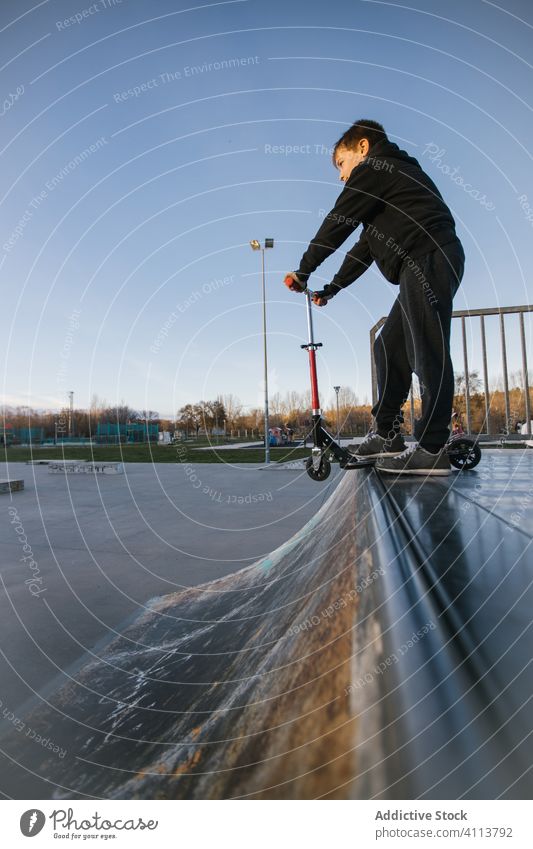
(144, 144)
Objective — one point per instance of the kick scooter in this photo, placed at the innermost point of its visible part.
(464, 452)
(318, 465)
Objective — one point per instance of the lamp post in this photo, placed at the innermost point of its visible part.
(257, 246)
(71, 413)
(337, 389)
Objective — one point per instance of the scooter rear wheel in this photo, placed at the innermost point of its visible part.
(464, 453)
(321, 473)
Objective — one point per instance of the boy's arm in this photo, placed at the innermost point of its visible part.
(356, 262)
(358, 198)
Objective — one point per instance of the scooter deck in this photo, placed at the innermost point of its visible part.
(358, 464)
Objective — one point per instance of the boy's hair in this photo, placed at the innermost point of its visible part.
(362, 129)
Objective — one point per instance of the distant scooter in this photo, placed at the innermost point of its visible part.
(464, 453)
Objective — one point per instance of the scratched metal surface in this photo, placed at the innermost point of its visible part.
(211, 694)
(470, 538)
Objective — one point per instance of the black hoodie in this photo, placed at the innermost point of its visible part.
(402, 213)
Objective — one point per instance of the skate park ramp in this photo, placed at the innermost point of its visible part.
(384, 651)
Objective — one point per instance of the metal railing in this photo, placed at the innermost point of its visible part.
(463, 315)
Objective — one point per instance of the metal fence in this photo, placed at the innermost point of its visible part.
(462, 315)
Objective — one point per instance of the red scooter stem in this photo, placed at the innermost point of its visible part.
(324, 446)
(311, 347)
(314, 382)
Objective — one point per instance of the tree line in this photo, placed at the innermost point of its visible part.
(227, 415)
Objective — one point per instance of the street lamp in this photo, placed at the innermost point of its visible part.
(71, 413)
(337, 389)
(256, 246)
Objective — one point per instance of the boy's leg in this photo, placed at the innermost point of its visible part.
(393, 373)
(426, 293)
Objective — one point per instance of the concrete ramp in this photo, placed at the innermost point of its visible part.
(239, 687)
(341, 666)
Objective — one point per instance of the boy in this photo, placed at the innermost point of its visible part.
(410, 233)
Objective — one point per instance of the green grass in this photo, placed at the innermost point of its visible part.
(182, 453)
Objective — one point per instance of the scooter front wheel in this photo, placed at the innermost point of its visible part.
(321, 473)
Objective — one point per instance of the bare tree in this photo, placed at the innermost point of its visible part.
(121, 414)
(347, 398)
(233, 408)
(278, 406)
(97, 405)
(516, 379)
(474, 383)
(190, 418)
(213, 413)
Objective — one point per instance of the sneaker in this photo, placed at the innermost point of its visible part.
(416, 462)
(374, 445)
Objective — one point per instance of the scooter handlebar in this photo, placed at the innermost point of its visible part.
(294, 285)
(291, 284)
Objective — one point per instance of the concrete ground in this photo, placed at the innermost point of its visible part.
(344, 441)
(99, 547)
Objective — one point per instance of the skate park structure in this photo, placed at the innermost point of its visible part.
(383, 651)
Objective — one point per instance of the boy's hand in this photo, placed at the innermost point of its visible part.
(319, 299)
(293, 282)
